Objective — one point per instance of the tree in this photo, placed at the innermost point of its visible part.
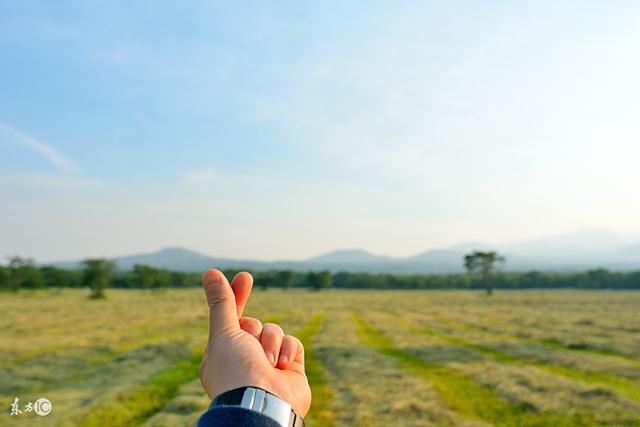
(147, 277)
(31, 277)
(285, 278)
(264, 279)
(55, 277)
(22, 273)
(4, 277)
(179, 279)
(143, 276)
(319, 280)
(97, 275)
(483, 263)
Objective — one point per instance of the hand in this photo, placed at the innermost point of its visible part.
(242, 352)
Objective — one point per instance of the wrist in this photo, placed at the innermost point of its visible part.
(222, 387)
(259, 400)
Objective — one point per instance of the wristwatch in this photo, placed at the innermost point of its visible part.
(260, 400)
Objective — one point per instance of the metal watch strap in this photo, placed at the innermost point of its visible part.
(260, 400)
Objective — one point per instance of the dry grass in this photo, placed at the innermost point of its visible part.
(408, 358)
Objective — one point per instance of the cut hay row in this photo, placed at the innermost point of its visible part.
(623, 386)
(464, 394)
(321, 413)
(518, 357)
(369, 389)
(135, 406)
(498, 327)
(596, 363)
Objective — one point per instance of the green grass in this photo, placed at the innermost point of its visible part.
(621, 385)
(409, 358)
(321, 412)
(462, 393)
(548, 342)
(133, 407)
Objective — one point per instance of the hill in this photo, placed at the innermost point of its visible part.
(584, 249)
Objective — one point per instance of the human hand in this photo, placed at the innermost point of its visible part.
(243, 352)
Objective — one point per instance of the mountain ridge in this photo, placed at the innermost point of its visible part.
(579, 250)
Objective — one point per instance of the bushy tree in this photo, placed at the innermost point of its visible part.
(56, 277)
(285, 278)
(4, 277)
(483, 263)
(147, 277)
(97, 276)
(319, 280)
(179, 279)
(23, 274)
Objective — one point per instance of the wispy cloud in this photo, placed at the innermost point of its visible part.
(58, 184)
(23, 139)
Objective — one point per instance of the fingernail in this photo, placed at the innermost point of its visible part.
(271, 358)
(283, 359)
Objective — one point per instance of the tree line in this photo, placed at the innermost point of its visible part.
(97, 274)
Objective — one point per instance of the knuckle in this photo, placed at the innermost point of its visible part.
(295, 340)
(251, 325)
(246, 321)
(217, 300)
(273, 328)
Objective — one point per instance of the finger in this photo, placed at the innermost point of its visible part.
(252, 326)
(241, 286)
(291, 347)
(222, 302)
(271, 340)
(299, 359)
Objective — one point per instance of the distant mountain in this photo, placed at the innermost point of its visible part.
(447, 259)
(443, 255)
(346, 256)
(581, 250)
(472, 246)
(174, 258)
(171, 258)
(439, 260)
(587, 242)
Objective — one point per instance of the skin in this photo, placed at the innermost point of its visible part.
(243, 352)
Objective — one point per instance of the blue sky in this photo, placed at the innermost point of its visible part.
(284, 129)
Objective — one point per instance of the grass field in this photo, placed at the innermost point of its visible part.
(411, 358)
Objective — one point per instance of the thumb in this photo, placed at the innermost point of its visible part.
(222, 302)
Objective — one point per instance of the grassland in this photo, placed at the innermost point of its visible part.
(383, 358)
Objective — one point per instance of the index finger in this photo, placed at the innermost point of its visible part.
(241, 285)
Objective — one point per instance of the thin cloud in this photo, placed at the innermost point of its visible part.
(58, 183)
(25, 140)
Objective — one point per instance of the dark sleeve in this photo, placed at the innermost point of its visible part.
(233, 416)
